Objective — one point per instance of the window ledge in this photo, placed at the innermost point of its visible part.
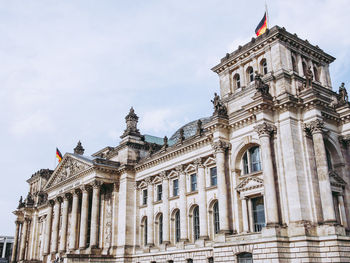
(211, 187)
(143, 206)
(251, 174)
(192, 193)
(158, 202)
(174, 197)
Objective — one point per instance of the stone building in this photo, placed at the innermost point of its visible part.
(264, 179)
(6, 243)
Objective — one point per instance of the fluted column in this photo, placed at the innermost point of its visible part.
(63, 237)
(84, 217)
(96, 187)
(265, 131)
(15, 242)
(48, 227)
(150, 214)
(316, 129)
(182, 203)
(74, 221)
(165, 197)
(245, 215)
(203, 211)
(220, 148)
(115, 214)
(23, 239)
(55, 225)
(344, 221)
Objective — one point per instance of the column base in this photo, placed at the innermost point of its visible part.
(204, 237)
(225, 231)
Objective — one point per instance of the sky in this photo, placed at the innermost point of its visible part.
(71, 70)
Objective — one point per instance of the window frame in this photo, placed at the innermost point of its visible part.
(144, 196)
(160, 229)
(212, 176)
(256, 212)
(248, 163)
(193, 182)
(159, 192)
(175, 187)
(196, 223)
(216, 217)
(177, 226)
(250, 74)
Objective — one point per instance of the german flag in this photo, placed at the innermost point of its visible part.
(58, 155)
(261, 28)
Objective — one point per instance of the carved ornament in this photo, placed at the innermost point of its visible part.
(221, 146)
(315, 126)
(265, 129)
(69, 168)
(344, 140)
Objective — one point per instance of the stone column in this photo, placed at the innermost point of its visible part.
(96, 187)
(203, 211)
(74, 221)
(150, 213)
(183, 204)
(344, 221)
(84, 217)
(220, 148)
(23, 239)
(165, 197)
(55, 225)
(15, 242)
(245, 215)
(264, 131)
(48, 227)
(316, 129)
(115, 214)
(63, 238)
(4, 248)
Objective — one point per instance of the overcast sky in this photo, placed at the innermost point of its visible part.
(70, 70)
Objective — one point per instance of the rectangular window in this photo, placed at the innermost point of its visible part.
(159, 192)
(336, 207)
(175, 187)
(255, 159)
(213, 176)
(193, 182)
(258, 213)
(144, 197)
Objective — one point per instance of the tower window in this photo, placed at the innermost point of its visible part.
(196, 223)
(144, 197)
(193, 182)
(251, 160)
(213, 176)
(258, 213)
(237, 81)
(250, 72)
(264, 67)
(159, 192)
(294, 64)
(175, 187)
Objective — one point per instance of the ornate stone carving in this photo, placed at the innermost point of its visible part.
(20, 203)
(199, 130)
(344, 140)
(219, 107)
(220, 146)
(198, 162)
(165, 142)
(179, 169)
(309, 77)
(315, 126)
(131, 124)
(51, 202)
(261, 87)
(265, 129)
(343, 95)
(163, 175)
(148, 180)
(79, 149)
(182, 135)
(97, 184)
(42, 198)
(29, 200)
(70, 167)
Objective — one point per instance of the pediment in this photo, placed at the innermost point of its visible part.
(210, 162)
(68, 168)
(250, 183)
(336, 180)
(190, 169)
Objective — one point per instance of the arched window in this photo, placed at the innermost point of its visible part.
(237, 81)
(144, 231)
(177, 226)
(160, 230)
(245, 257)
(304, 68)
(250, 73)
(316, 74)
(263, 67)
(251, 160)
(294, 64)
(216, 217)
(196, 223)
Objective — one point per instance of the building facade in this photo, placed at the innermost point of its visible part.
(264, 179)
(6, 243)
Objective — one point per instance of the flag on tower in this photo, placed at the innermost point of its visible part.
(58, 155)
(261, 28)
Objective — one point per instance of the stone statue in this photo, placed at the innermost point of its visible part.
(260, 86)
(309, 77)
(20, 203)
(79, 149)
(219, 107)
(182, 135)
(343, 94)
(29, 200)
(165, 142)
(199, 128)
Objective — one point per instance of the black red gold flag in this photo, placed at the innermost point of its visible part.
(261, 28)
(58, 155)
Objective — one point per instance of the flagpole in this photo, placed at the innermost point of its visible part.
(267, 16)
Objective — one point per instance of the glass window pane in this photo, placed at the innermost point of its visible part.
(213, 176)
(258, 213)
(255, 159)
(177, 226)
(175, 187)
(159, 192)
(196, 223)
(193, 182)
(245, 164)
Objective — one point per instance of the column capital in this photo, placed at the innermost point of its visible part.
(313, 127)
(85, 188)
(75, 191)
(51, 202)
(198, 162)
(97, 184)
(116, 186)
(265, 129)
(59, 199)
(180, 169)
(18, 222)
(164, 175)
(221, 146)
(67, 196)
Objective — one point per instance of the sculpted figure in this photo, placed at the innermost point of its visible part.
(260, 86)
(343, 94)
(309, 77)
(219, 107)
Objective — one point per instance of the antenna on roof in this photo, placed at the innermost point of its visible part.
(267, 15)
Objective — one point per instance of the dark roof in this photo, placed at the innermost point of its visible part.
(189, 129)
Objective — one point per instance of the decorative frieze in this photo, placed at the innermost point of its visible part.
(316, 126)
